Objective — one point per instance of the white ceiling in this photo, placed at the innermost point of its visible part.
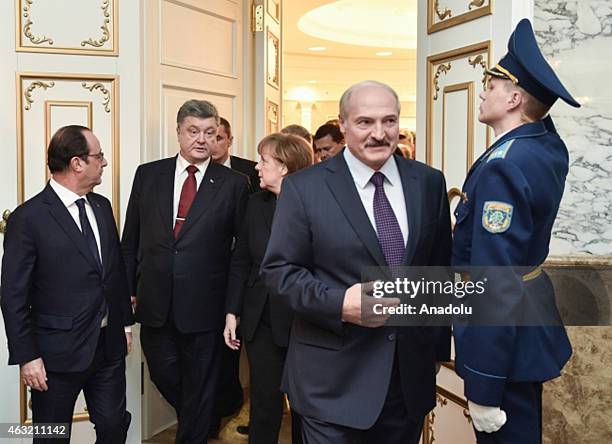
(341, 64)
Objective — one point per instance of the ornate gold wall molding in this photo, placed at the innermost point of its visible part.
(26, 39)
(105, 33)
(105, 92)
(442, 14)
(27, 27)
(442, 68)
(27, 95)
(447, 18)
(479, 60)
(433, 63)
(468, 87)
(110, 103)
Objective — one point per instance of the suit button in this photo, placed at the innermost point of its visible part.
(391, 337)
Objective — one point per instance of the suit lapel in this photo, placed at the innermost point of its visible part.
(103, 231)
(165, 195)
(63, 218)
(207, 192)
(412, 197)
(342, 187)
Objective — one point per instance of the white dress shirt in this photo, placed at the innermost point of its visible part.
(180, 175)
(69, 199)
(394, 191)
(228, 162)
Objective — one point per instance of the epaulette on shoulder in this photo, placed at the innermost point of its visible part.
(501, 151)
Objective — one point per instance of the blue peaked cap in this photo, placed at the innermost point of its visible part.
(525, 66)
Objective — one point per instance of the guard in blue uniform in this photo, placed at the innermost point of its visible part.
(509, 202)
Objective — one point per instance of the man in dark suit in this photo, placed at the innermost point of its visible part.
(353, 381)
(182, 217)
(65, 298)
(229, 391)
(221, 154)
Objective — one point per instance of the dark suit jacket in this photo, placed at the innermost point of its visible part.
(52, 289)
(321, 242)
(247, 167)
(247, 296)
(186, 276)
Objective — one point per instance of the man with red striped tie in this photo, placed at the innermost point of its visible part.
(182, 217)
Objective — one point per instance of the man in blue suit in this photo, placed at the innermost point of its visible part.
(65, 297)
(350, 380)
(509, 203)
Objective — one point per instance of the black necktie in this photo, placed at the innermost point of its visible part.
(88, 232)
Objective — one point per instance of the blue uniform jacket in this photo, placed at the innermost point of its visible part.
(510, 200)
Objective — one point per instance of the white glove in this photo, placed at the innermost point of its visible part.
(486, 419)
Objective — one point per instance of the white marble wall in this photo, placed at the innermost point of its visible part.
(576, 38)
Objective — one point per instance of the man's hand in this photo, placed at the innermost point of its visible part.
(134, 303)
(128, 339)
(33, 375)
(486, 419)
(353, 312)
(229, 332)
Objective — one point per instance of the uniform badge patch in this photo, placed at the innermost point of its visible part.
(501, 151)
(496, 216)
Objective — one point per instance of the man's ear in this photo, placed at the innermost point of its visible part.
(515, 100)
(76, 164)
(341, 122)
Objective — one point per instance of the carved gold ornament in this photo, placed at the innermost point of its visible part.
(476, 4)
(479, 60)
(30, 89)
(442, 68)
(104, 28)
(103, 90)
(28, 25)
(442, 15)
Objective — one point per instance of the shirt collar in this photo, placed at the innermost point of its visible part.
(362, 173)
(67, 196)
(182, 164)
(228, 162)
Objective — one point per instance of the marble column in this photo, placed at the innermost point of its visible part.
(576, 38)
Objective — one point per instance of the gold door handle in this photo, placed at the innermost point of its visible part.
(5, 216)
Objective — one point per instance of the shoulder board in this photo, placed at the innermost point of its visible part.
(501, 151)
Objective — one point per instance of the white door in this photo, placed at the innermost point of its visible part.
(457, 39)
(193, 49)
(61, 64)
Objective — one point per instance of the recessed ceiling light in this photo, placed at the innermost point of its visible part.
(317, 48)
(313, 81)
(384, 53)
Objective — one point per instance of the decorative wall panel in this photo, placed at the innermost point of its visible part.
(454, 138)
(442, 14)
(48, 101)
(93, 30)
(194, 43)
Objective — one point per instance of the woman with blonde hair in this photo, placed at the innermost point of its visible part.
(265, 323)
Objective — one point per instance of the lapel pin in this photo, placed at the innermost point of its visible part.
(212, 181)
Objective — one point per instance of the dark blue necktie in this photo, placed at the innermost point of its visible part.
(88, 232)
(388, 229)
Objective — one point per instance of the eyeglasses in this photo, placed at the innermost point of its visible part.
(98, 156)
